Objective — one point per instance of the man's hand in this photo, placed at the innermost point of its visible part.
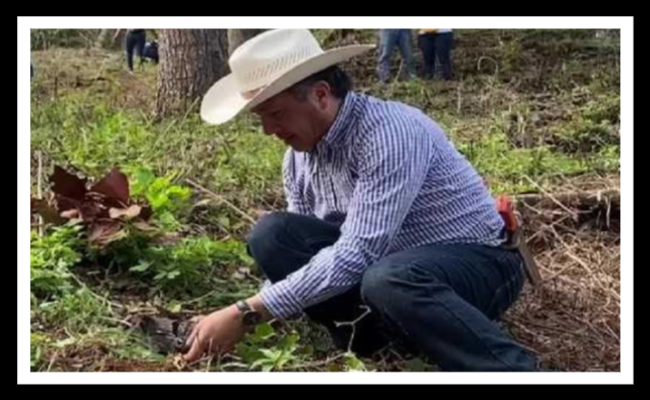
(217, 332)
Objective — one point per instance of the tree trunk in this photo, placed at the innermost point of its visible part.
(103, 38)
(238, 36)
(191, 60)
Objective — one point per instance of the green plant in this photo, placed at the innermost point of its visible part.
(76, 310)
(169, 201)
(188, 265)
(262, 349)
(505, 166)
(352, 363)
(38, 343)
(51, 258)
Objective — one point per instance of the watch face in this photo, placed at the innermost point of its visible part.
(251, 318)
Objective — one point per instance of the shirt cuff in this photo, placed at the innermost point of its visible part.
(280, 301)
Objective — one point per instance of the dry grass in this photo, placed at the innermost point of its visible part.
(573, 321)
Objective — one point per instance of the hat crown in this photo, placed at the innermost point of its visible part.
(264, 58)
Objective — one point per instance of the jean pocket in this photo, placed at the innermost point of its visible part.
(507, 293)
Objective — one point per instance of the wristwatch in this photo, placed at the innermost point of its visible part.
(250, 317)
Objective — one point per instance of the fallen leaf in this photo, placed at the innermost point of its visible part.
(68, 185)
(131, 212)
(90, 211)
(102, 234)
(66, 203)
(202, 203)
(114, 185)
(70, 214)
(143, 226)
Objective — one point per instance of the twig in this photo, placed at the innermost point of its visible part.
(587, 198)
(319, 363)
(39, 189)
(555, 328)
(54, 356)
(611, 332)
(609, 211)
(552, 225)
(399, 70)
(199, 298)
(119, 321)
(584, 265)
(353, 325)
(221, 199)
(496, 64)
(560, 272)
(573, 213)
(209, 364)
(528, 331)
(427, 96)
(578, 260)
(95, 295)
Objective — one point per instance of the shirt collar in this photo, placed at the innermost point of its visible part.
(337, 134)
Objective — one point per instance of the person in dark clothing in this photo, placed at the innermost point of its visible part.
(151, 51)
(135, 41)
(436, 43)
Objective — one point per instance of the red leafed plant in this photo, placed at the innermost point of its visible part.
(104, 208)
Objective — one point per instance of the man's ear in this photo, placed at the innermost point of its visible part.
(322, 93)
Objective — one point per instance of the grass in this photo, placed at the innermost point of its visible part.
(531, 119)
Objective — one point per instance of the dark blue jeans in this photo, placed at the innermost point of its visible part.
(439, 300)
(437, 45)
(135, 42)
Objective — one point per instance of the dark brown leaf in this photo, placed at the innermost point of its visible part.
(146, 212)
(114, 186)
(107, 202)
(91, 211)
(66, 203)
(67, 185)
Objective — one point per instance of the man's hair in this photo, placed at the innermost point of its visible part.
(338, 81)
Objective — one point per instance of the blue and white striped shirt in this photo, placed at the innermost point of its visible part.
(399, 183)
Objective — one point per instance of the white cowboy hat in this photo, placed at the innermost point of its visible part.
(265, 66)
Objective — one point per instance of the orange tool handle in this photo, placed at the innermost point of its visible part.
(506, 208)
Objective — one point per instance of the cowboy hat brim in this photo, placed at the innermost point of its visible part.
(223, 101)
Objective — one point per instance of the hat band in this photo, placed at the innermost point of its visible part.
(252, 93)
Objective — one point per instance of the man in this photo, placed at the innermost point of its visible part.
(388, 40)
(387, 224)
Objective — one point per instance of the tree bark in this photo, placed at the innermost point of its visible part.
(238, 36)
(191, 60)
